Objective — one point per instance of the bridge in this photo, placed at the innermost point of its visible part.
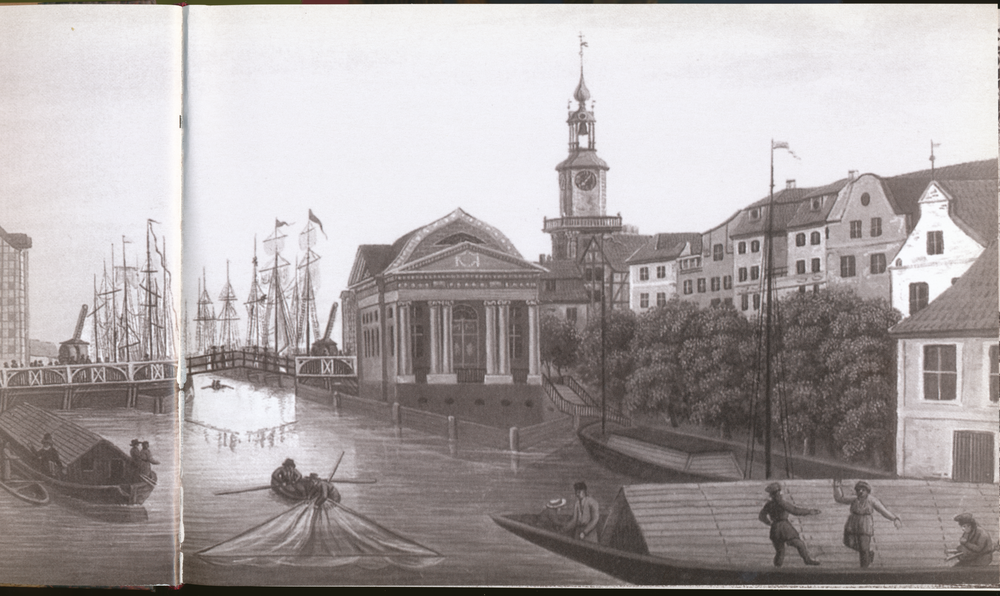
(329, 372)
(65, 386)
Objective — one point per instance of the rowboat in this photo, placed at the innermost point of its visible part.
(95, 475)
(27, 490)
(708, 533)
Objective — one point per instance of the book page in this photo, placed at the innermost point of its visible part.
(89, 260)
(552, 295)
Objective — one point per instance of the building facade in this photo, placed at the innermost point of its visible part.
(452, 302)
(14, 339)
(948, 404)
(957, 219)
(653, 269)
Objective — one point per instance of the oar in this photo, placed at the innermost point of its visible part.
(243, 490)
(335, 466)
(356, 480)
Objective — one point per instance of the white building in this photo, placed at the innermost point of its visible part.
(958, 218)
(653, 269)
(947, 365)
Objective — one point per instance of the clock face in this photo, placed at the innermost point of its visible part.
(586, 180)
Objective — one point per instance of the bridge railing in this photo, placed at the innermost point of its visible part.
(254, 359)
(88, 374)
(325, 367)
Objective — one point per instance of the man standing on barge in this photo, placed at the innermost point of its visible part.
(586, 514)
(775, 514)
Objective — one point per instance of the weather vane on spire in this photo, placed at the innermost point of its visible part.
(583, 44)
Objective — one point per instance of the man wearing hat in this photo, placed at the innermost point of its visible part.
(550, 517)
(48, 457)
(975, 547)
(286, 473)
(586, 514)
(321, 490)
(860, 526)
(775, 514)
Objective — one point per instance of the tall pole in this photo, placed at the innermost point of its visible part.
(767, 325)
(277, 285)
(128, 356)
(603, 345)
(97, 344)
(114, 308)
(149, 296)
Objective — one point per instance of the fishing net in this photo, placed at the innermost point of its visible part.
(326, 536)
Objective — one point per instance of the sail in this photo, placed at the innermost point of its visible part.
(205, 320)
(229, 332)
(330, 535)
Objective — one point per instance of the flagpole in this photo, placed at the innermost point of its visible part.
(767, 326)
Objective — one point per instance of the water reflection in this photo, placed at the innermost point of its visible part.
(242, 413)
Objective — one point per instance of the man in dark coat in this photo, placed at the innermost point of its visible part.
(48, 457)
(775, 514)
(975, 547)
(321, 490)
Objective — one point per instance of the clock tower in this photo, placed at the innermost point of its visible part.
(582, 178)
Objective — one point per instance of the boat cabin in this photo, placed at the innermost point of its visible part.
(716, 523)
(87, 457)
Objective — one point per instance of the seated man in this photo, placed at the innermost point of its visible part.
(551, 517)
(321, 490)
(287, 477)
(975, 546)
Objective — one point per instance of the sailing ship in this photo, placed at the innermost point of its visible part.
(133, 315)
(229, 331)
(277, 326)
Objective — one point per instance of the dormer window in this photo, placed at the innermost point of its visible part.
(816, 204)
(458, 239)
(755, 213)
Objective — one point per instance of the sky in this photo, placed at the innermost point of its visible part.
(381, 119)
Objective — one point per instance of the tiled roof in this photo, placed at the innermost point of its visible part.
(584, 158)
(830, 189)
(969, 307)
(619, 247)
(783, 213)
(974, 206)
(25, 425)
(972, 170)
(562, 269)
(665, 247)
(806, 216)
(18, 241)
(905, 190)
(377, 257)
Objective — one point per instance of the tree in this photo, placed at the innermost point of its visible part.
(619, 329)
(559, 342)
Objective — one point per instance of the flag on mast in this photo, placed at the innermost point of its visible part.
(784, 145)
(278, 223)
(315, 219)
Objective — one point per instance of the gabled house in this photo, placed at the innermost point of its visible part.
(653, 269)
(806, 239)
(708, 281)
(948, 404)
(450, 302)
(956, 220)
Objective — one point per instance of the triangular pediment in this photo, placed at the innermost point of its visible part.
(933, 193)
(456, 228)
(469, 258)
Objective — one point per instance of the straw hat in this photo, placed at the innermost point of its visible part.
(555, 503)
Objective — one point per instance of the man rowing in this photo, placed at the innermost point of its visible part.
(288, 478)
(320, 490)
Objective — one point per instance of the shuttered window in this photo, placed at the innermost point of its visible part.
(972, 457)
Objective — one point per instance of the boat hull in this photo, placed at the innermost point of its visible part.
(115, 494)
(27, 491)
(643, 569)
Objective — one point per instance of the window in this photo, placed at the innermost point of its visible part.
(828, 232)
(994, 373)
(741, 248)
(643, 273)
(718, 252)
(756, 301)
(727, 301)
(847, 266)
(418, 340)
(643, 300)
(571, 247)
(815, 288)
(878, 263)
(856, 228)
(866, 199)
(745, 302)
(661, 271)
(392, 341)
(688, 286)
(815, 265)
(550, 285)
(755, 213)
(802, 289)
(935, 243)
(716, 284)
(816, 204)
(814, 238)
(690, 263)
(727, 282)
(743, 273)
(661, 298)
(918, 296)
(800, 266)
(516, 330)
(465, 336)
(716, 302)
(701, 285)
(755, 246)
(876, 226)
(940, 374)
(754, 272)
(571, 314)
(800, 239)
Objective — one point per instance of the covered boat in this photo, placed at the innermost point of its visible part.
(96, 474)
(709, 533)
(328, 535)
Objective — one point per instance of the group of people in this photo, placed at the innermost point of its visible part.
(142, 459)
(975, 546)
(290, 480)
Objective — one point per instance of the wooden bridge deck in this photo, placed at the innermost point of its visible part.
(717, 523)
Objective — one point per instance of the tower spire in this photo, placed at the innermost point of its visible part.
(582, 94)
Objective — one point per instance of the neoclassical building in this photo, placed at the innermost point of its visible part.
(450, 303)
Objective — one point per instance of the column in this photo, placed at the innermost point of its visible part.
(490, 339)
(404, 367)
(446, 355)
(435, 337)
(504, 361)
(534, 348)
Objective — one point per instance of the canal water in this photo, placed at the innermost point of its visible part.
(435, 495)
(55, 545)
